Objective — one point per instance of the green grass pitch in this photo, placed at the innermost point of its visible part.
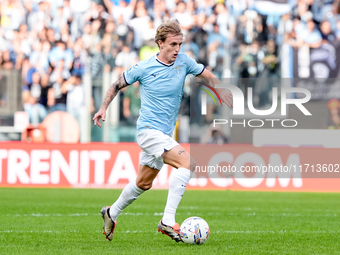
(67, 221)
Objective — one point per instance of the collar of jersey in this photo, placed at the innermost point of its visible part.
(168, 65)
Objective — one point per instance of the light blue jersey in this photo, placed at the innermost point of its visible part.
(161, 90)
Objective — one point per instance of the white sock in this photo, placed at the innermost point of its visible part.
(177, 187)
(129, 194)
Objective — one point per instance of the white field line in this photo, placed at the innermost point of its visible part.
(155, 232)
(76, 214)
(275, 232)
(53, 215)
(188, 213)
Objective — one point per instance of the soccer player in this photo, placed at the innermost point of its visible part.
(161, 81)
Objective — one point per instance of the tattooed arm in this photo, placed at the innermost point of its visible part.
(109, 96)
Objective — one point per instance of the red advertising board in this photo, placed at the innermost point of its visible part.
(109, 165)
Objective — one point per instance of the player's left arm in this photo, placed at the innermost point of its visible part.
(209, 78)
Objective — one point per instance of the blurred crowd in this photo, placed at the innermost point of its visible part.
(261, 35)
(54, 42)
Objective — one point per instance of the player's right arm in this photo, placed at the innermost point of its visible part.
(109, 96)
(133, 74)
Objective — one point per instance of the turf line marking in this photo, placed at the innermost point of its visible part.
(187, 213)
(38, 231)
(276, 232)
(155, 232)
(79, 214)
(54, 215)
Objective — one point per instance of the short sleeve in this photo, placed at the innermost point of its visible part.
(193, 67)
(133, 74)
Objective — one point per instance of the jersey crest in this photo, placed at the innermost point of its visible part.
(177, 68)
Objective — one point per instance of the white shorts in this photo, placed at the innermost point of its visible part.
(154, 143)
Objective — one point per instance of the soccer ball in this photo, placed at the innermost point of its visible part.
(194, 230)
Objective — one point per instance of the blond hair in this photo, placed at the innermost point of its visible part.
(168, 27)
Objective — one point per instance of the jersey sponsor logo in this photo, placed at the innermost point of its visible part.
(154, 75)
